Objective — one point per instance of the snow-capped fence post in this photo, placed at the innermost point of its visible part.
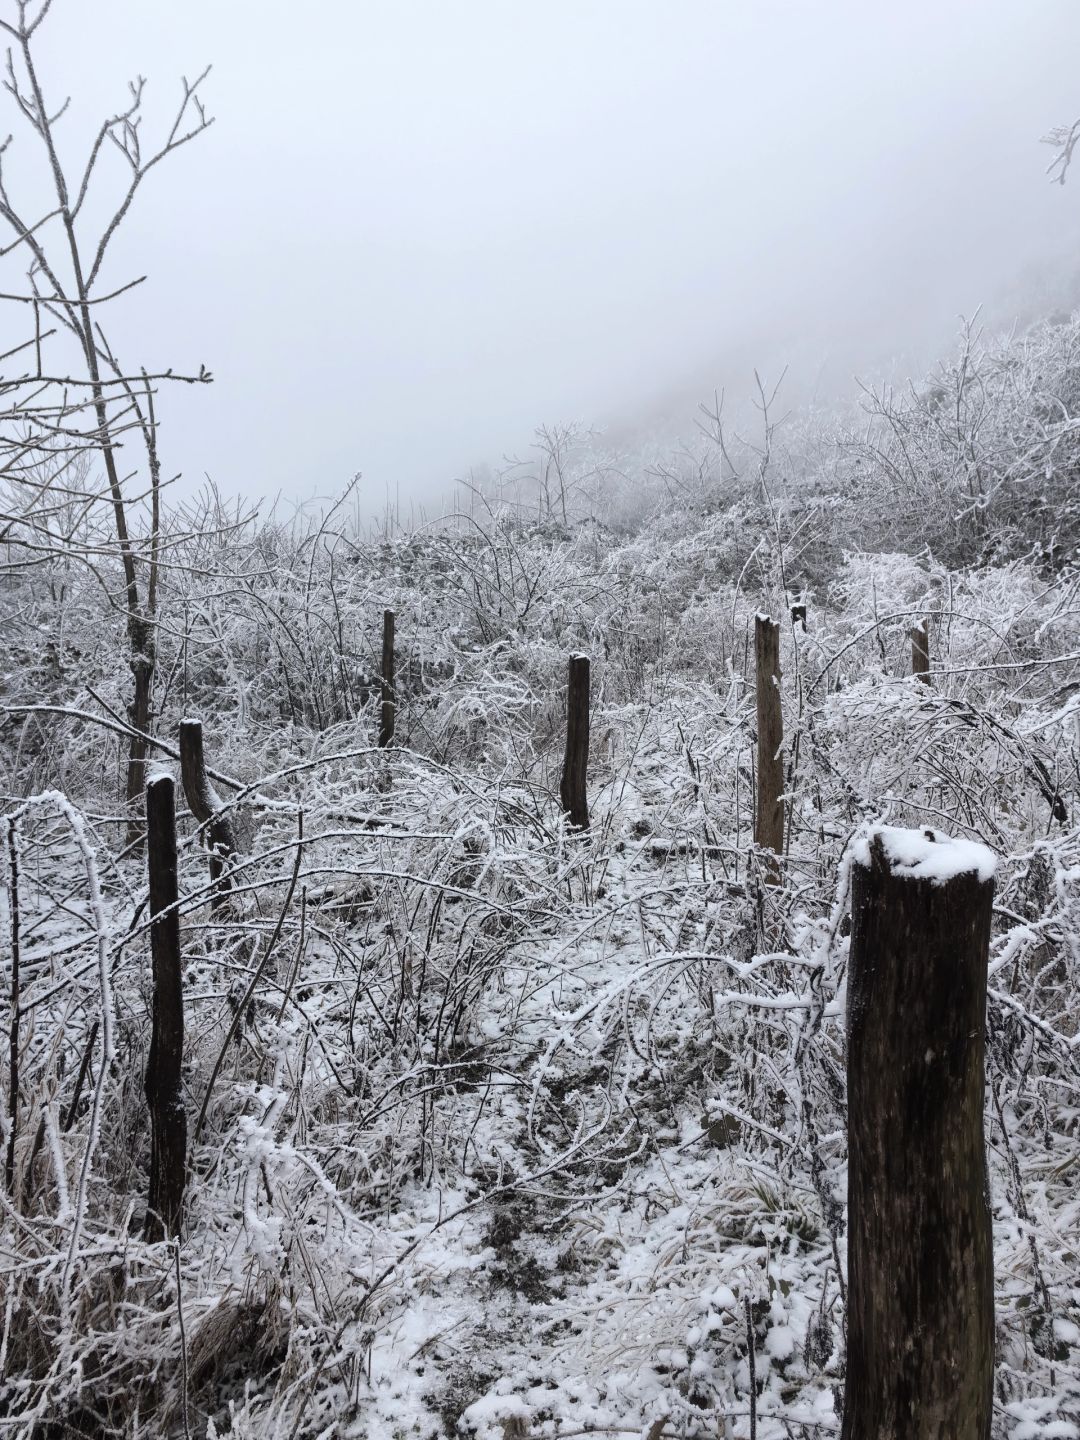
(14, 1045)
(920, 653)
(920, 1358)
(387, 718)
(168, 1121)
(205, 804)
(769, 811)
(576, 761)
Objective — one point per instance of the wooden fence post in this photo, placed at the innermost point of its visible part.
(14, 1046)
(576, 761)
(389, 706)
(168, 1121)
(769, 811)
(920, 1259)
(920, 652)
(205, 804)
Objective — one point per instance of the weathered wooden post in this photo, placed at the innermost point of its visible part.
(168, 1120)
(14, 1044)
(769, 811)
(920, 1360)
(205, 804)
(576, 761)
(920, 652)
(386, 724)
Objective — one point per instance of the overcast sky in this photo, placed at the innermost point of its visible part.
(418, 228)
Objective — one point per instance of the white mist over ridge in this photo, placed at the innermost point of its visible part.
(416, 231)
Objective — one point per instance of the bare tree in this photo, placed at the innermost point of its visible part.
(89, 401)
(1063, 138)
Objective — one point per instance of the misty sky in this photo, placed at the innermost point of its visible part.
(419, 228)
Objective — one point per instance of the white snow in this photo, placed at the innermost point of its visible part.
(780, 1342)
(485, 1416)
(925, 854)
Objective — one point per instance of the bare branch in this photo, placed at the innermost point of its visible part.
(1064, 139)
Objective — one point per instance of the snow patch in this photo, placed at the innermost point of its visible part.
(926, 854)
(780, 1342)
(486, 1417)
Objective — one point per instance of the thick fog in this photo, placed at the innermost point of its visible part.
(417, 229)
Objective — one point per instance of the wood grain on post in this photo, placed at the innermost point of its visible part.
(386, 722)
(164, 1093)
(769, 811)
(572, 791)
(920, 1362)
(920, 653)
(205, 804)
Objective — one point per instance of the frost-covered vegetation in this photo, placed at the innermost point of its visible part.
(496, 1128)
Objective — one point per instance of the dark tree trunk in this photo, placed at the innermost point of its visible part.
(920, 1360)
(168, 1121)
(389, 706)
(572, 791)
(920, 653)
(769, 811)
(140, 712)
(205, 804)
